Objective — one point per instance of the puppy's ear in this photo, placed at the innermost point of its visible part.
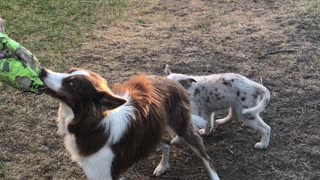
(167, 71)
(110, 101)
(186, 83)
(1, 25)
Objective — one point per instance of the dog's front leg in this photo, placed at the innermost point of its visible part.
(209, 127)
(164, 165)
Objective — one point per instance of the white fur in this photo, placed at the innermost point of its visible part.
(221, 91)
(212, 173)
(95, 166)
(54, 80)
(98, 165)
(65, 117)
(117, 121)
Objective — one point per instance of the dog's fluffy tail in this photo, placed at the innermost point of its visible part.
(261, 105)
(198, 122)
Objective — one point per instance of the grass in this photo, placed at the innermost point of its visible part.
(53, 31)
(194, 37)
(51, 28)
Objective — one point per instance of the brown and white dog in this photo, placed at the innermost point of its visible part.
(107, 131)
(245, 98)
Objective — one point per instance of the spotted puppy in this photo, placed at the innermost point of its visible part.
(245, 99)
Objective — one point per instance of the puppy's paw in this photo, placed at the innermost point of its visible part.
(161, 169)
(260, 145)
(203, 132)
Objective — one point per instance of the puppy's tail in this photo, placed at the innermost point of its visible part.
(198, 122)
(261, 105)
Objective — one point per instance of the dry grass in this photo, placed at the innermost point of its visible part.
(198, 37)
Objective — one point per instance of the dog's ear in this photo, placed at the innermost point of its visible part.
(2, 25)
(186, 83)
(167, 71)
(71, 70)
(110, 101)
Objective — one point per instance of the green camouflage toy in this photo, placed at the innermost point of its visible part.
(18, 67)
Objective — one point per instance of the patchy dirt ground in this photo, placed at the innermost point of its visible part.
(276, 42)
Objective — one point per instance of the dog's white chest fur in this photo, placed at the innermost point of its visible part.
(95, 166)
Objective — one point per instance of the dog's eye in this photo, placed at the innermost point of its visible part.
(71, 83)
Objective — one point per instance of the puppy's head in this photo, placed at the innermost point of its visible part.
(183, 79)
(80, 87)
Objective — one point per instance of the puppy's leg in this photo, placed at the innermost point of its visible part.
(196, 144)
(232, 114)
(210, 125)
(257, 123)
(175, 138)
(164, 165)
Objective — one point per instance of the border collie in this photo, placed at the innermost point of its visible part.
(244, 98)
(107, 131)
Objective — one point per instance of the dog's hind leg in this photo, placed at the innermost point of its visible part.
(232, 114)
(209, 126)
(256, 123)
(195, 142)
(164, 165)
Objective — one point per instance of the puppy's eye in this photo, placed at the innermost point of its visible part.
(71, 83)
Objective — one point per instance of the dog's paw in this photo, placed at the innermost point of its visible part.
(260, 145)
(203, 132)
(161, 169)
(175, 140)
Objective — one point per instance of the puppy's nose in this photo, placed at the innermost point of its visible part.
(43, 73)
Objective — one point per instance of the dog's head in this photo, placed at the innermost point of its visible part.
(79, 87)
(183, 79)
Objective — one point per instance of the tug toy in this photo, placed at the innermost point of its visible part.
(18, 67)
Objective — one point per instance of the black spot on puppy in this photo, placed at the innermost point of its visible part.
(196, 91)
(238, 93)
(217, 97)
(243, 99)
(227, 83)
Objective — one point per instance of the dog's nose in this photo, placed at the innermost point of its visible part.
(43, 73)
